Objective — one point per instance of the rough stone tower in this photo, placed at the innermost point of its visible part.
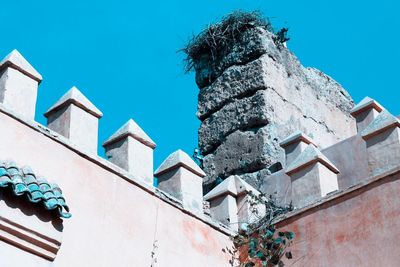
(258, 94)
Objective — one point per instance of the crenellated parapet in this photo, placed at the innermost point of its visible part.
(382, 137)
(116, 193)
(309, 169)
(76, 118)
(182, 178)
(311, 173)
(19, 83)
(230, 203)
(132, 149)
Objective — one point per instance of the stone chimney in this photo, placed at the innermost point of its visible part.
(19, 83)
(312, 176)
(229, 202)
(132, 149)
(182, 178)
(382, 137)
(294, 145)
(76, 118)
(253, 96)
(365, 112)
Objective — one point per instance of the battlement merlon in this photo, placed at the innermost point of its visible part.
(19, 83)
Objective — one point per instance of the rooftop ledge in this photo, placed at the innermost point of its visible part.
(337, 195)
(103, 163)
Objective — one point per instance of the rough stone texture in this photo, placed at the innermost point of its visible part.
(257, 178)
(233, 146)
(242, 114)
(258, 101)
(252, 44)
(329, 90)
(242, 152)
(235, 82)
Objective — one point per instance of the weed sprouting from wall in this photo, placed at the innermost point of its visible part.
(198, 157)
(260, 241)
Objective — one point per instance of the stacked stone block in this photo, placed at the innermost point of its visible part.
(256, 96)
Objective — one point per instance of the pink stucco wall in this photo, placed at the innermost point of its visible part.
(360, 227)
(114, 221)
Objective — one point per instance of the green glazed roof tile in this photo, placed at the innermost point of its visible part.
(23, 181)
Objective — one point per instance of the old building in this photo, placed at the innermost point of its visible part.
(269, 125)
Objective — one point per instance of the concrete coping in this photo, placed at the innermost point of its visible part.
(16, 61)
(315, 206)
(74, 96)
(112, 168)
(132, 129)
(296, 137)
(365, 104)
(179, 159)
(385, 120)
(233, 185)
(309, 156)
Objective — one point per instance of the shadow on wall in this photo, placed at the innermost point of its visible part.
(30, 209)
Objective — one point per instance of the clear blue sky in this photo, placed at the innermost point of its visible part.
(123, 54)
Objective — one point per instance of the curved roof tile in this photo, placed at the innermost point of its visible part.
(23, 181)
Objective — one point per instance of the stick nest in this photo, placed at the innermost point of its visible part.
(214, 42)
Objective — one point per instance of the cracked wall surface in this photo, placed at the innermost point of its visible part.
(258, 94)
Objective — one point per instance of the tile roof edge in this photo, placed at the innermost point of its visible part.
(21, 181)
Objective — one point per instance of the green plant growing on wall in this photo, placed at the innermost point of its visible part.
(281, 36)
(263, 243)
(198, 157)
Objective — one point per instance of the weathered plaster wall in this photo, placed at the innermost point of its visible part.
(115, 222)
(349, 156)
(356, 228)
(12, 257)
